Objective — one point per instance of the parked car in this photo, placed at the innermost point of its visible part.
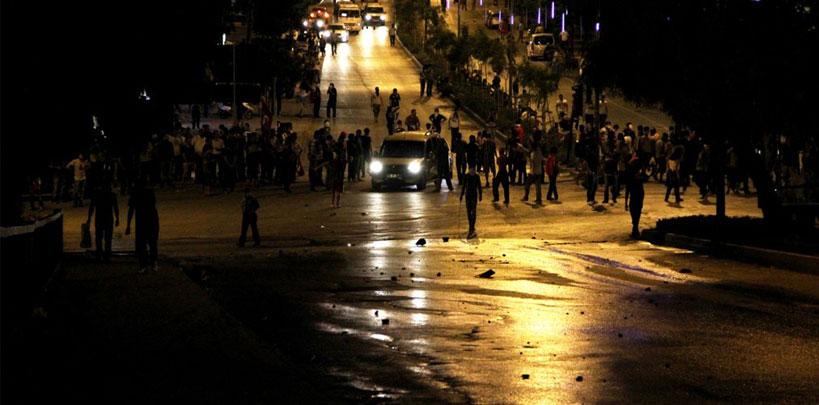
(374, 15)
(541, 46)
(401, 161)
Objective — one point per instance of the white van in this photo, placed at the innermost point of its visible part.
(349, 14)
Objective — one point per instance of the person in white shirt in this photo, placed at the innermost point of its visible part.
(376, 101)
(80, 166)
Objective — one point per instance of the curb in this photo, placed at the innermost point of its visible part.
(793, 261)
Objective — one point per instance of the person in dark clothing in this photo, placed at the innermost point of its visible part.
(592, 156)
(366, 151)
(635, 174)
(395, 99)
(332, 99)
(354, 156)
(501, 178)
(142, 203)
(430, 78)
(389, 116)
(249, 219)
(423, 80)
(610, 172)
(441, 152)
(552, 170)
(437, 119)
(488, 149)
(474, 193)
(104, 203)
(315, 96)
(472, 151)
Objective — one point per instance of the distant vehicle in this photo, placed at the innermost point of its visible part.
(542, 46)
(349, 14)
(493, 19)
(538, 29)
(374, 15)
(317, 18)
(401, 161)
(337, 30)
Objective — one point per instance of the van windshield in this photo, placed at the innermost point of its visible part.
(376, 10)
(402, 149)
(544, 40)
(350, 13)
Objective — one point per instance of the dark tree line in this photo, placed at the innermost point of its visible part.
(733, 70)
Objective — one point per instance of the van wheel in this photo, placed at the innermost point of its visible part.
(422, 185)
(376, 186)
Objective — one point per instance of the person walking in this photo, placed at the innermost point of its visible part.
(389, 117)
(332, 100)
(392, 34)
(672, 174)
(552, 170)
(367, 151)
(376, 101)
(104, 204)
(249, 219)
(488, 152)
(473, 192)
(395, 99)
(501, 178)
(535, 175)
(142, 204)
(441, 152)
(80, 167)
(333, 44)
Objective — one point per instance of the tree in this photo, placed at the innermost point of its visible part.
(542, 80)
(733, 71)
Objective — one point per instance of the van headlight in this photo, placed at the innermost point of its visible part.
(319, 23)
(414, 167)
(368, 17)
(382, 17)
(376, 167)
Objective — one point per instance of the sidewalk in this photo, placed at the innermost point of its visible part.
(620, 110)
(115, 336)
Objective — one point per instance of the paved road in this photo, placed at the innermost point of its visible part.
(572, 297)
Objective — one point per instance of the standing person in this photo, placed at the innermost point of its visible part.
(592, 157)
(392, 34)
(660, 154)
(376, 101)
(502, 178)
(636, 177)
(535, 174)
(80, 166)
(423, 79)
(395, 99)
(322, 46)
(104, 202)
(367, 151)
(561, 107)
(332, 99)
(488, 148)
(610, 170)
(472, 152)
(336, 175)
(474, 193)
(196, 116)
(441, 151)
(672, 174)
(249, 219)
(142, 203)
(413, 122)
(552, 170)
(430, 76)
(702, 173)
(437, 119)
(455, 128)
(315, 97)
(389, 117)
(354, 156)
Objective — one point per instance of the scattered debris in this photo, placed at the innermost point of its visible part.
(393, 278)
(619, 335)
(685, 271)
(412, 274)
(487, 274)
(579, 378)
(524, 376)
(376, 312)
(446, 238)
(421, 242)
(475, 329)
(385, 321)
(409, 252)
(363, 214)
(439, 274)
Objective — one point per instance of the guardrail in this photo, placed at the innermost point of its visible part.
(29, 255)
